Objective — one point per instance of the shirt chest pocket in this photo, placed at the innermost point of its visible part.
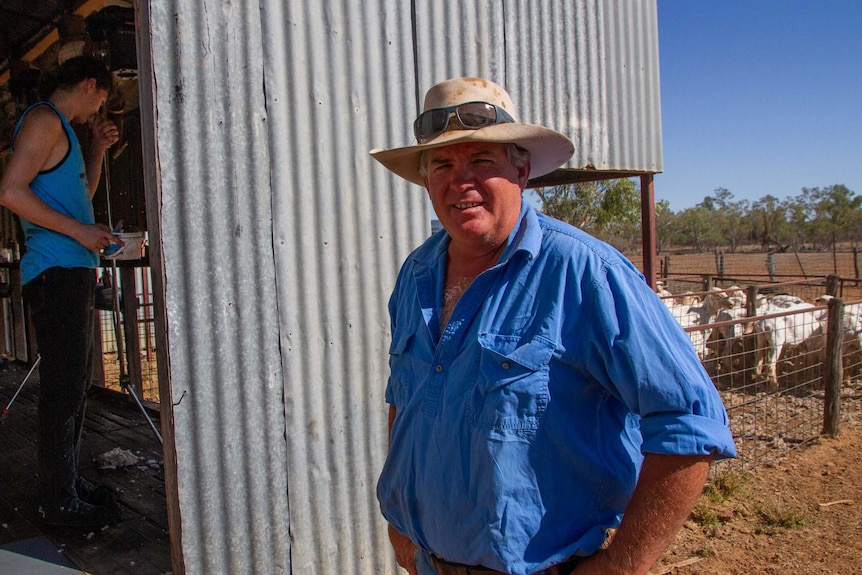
(401, 367)
(512, 388)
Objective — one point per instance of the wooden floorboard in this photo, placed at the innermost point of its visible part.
(140, 543)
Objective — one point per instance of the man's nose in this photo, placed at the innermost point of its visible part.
(463, 173)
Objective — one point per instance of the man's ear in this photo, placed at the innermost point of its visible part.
(524, 174)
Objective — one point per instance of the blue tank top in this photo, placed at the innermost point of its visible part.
(64, 188)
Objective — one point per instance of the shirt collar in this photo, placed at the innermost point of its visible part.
(526, 236)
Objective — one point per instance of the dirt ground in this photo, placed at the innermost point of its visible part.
(800, 516)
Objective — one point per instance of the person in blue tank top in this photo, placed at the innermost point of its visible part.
(49, 182)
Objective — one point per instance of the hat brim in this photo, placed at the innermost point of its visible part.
(548, 149)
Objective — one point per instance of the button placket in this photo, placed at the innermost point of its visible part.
(451, 339)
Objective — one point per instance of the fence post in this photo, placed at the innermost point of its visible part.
(832, 285)
(719, 262)
(770, 265)
(666, 266)
(707, 282)
(856, 263)
(751, 301)
(799, 261)
(833, 373)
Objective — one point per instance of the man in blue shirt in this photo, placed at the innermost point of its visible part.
(49, 182)
(541, 396)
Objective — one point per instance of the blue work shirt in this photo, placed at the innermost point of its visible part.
(520, 427)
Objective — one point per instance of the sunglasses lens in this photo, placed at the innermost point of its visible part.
(470, 116)
(430, 124)
(477, 115)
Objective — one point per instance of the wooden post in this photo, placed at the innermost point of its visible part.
(719, 262)
(856, 263)
(707, 282)
(97, 374)
(751, 301)
(832, 285)
(648, 227)
(833, 372)
(799, 261)
(666, 266)
(834, 255)
(130, 329)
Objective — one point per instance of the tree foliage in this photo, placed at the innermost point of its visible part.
(607, 209)
(816, 219)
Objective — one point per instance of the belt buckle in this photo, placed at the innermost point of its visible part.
(444, 567)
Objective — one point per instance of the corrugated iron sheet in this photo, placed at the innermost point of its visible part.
(215, 224)
(338, 81)
(280, 237)
(588, 68)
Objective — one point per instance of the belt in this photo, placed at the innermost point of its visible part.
(447, 568)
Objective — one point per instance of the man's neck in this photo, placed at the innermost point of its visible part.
(470, 263)
(68, 102)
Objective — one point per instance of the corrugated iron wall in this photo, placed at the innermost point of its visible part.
(220, 291)
(280, 238)
(588, 68)
(338, 81)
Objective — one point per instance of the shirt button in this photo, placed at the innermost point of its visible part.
(438, 369)
(505, 365)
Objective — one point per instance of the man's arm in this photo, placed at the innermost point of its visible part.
(105, 134)
(667, 489)
(39, 135)
(405, 549)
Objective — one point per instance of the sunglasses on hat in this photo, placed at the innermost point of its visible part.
(471, 115)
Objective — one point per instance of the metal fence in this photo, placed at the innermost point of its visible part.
(787, 370)
(112, 325)
(767, 266)
(808, 289)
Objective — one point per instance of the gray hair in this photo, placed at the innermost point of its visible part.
(517, 155)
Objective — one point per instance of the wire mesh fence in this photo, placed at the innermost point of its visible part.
(112, 327)
(759, 265)
(769, 362)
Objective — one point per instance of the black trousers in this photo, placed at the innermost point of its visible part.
(61, 304)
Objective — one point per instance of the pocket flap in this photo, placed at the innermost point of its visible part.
(532, 354)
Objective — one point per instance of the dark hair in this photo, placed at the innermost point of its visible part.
(74, 70)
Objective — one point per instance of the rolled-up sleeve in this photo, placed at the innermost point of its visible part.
(674, 434)
(644, 357)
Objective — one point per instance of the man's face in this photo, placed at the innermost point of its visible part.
(476, 193)
(100, 96)
(95, 98)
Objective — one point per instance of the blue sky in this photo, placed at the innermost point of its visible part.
(759, 97)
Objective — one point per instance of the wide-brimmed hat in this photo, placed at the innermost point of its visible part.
(548, 149)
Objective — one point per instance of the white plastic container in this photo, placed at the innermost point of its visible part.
(132, 248)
